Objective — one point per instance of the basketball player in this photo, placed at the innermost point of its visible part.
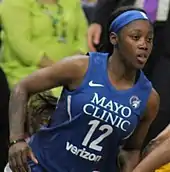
(106, 100)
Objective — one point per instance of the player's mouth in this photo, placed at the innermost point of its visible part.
(142, 58)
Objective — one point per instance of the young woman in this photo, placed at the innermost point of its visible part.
(105, 100)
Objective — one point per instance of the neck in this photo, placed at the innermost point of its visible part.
(119, 71)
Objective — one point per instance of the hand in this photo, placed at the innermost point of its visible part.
(18, 154)
(93, 36)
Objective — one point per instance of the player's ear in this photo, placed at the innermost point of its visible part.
(113, 38)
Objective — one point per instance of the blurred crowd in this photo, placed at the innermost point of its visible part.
(37, 33)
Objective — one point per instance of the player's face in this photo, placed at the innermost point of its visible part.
(135, 43)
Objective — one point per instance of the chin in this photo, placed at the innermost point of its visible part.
(139, 66)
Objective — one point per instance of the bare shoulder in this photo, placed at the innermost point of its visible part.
(78, 61)
(75, 65)
(153, 104)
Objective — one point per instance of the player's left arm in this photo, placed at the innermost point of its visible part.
(132, 150)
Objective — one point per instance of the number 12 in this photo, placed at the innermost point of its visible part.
(95, 143)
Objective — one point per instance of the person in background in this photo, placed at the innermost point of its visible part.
(38, 33)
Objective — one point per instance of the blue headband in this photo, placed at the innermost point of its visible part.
(126, 18)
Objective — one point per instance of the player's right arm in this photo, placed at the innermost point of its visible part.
(68, 72)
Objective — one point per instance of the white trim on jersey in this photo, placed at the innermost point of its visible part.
(69, 107)
(129, 135)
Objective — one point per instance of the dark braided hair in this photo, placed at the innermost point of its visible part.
(107, 47)
(39, 110)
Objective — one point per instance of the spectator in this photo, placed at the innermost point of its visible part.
(38, 33)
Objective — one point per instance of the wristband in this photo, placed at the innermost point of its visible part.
(16, 141)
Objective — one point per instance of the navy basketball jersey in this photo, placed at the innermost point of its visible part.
(90, 122)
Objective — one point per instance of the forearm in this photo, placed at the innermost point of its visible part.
(17, 112)
(157, 158)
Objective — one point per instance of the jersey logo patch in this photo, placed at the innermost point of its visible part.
(92, 84)
(135, 102)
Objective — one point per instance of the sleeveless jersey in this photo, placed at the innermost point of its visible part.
(90, 122)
